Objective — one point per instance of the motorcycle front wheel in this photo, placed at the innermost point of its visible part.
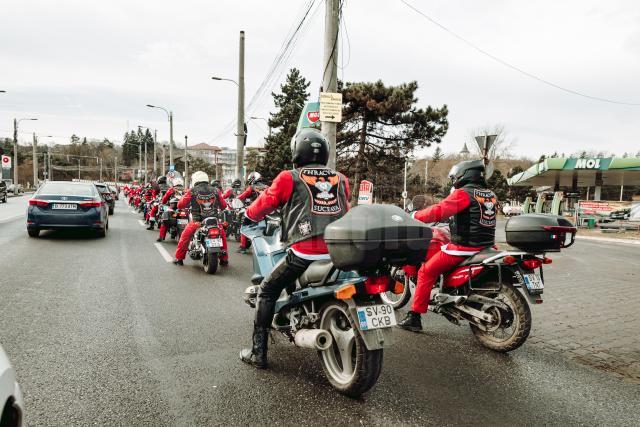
(349, 366)
(397, 301)
(511, 327)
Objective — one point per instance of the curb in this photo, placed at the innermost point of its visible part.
(609, 240)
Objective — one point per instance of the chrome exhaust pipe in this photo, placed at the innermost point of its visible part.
(315, 339)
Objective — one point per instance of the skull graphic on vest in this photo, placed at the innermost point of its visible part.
(487, 201)
(323, 185)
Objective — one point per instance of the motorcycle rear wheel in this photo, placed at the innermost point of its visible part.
(514, 327)
(397, 301)
(210, 263)
(349, 366)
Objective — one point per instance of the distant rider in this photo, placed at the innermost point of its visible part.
(173, 192)
(255, 186)
(472, 209)
(310, 197)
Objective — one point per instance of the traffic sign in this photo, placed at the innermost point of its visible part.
(405, 194)
(310, 116)
(365, 194)
(330, 107)
(172, 167)
(6, 162)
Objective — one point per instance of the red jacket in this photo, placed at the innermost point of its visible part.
(185, 200)
(276, 196)
(167, 196)
(454, 203)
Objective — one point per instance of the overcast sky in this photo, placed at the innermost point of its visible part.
(89, 67)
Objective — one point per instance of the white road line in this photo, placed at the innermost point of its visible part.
(609, 240)
(12, 218)
(166, 255)
(142, 223)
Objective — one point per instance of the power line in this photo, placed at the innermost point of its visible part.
(513, 67)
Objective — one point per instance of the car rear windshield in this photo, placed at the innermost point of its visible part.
(103, 188)
(67, 189)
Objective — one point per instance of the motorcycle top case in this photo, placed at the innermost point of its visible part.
(371, 235)
(539, 232)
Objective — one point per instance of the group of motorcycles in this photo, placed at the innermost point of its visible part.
(206, 244)
(344, 307)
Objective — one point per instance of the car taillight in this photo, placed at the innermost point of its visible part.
(38, 202)
(91, 204)
(532, 264)
(214, 232)
(377, 284)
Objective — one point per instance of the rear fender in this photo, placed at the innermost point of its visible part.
(374, 339)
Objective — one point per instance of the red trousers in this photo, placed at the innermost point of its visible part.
(244, 242)
(163, 231)
(187, 234)
(437, 263)
(153, 212)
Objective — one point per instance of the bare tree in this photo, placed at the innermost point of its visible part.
(502, 147)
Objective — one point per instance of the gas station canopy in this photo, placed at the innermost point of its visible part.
(573, 173)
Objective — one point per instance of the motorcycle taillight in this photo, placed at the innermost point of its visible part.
(376, 284)
(214, 233)
(532, 264)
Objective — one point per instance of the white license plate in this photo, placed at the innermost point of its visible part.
(376, 317)
(214, 243)
(70, 206)
(533, 281)
(183, 221)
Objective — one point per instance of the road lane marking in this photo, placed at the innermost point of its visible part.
(608, 240)
(12, 218)
(165, 254)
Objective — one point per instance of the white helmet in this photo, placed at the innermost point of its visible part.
(199, 176)
(178, 182)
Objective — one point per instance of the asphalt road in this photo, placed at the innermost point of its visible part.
(105, 331)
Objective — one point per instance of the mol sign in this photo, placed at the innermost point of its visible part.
(587, 164)
(365, 195)
(6, 162)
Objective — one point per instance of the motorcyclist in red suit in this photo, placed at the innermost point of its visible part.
(233, 191)
(472, 209)
(310, 197)
(174, 191)
(163, 186)
(255, 186)
(204, 201)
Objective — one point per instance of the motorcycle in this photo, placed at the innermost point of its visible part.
(182, 219)
(233, 217)
(492, 290)
(334, 309)
(206, 244)
(153, 220)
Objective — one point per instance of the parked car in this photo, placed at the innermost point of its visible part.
(107, 195)
(11, 404)
(115, 192)
(3, 191)
(64, 204)
(15, 189)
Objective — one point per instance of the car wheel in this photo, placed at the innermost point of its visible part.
(103, 231)
(33, 232)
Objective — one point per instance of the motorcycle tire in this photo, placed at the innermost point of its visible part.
(210, 262)
(348, 347)
(519, 317)
(397, 301)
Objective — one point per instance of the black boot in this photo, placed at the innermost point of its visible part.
(257, 355)
(160, 239)
(151, 226)
(412, 322)
(177, 261)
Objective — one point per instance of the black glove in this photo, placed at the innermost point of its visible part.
(248, 221)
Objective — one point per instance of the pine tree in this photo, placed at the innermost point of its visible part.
(437, 155)
(283, 122)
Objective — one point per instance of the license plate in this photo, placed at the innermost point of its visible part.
(376, 317)
(70, 206)
(183, 221)
(214, 243)
(533, 282)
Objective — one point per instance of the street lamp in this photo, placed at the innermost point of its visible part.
(170, 116)
(16, 122)
(267, 121)
(241, 126)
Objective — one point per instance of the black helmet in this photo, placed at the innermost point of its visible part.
(216, 183)
(162, 180)
(308, 147)
(254, 178)
(237, 183)
(466, 172)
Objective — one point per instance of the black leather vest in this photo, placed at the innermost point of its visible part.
(204, 201)
(319, 197)
(476, 225)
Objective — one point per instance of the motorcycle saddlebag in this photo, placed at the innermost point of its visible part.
(372, 235)
(540, 232)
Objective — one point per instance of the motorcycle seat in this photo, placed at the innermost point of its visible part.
(210, 221)
(479, 257)
(317, 274)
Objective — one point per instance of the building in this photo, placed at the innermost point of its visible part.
(206, 152)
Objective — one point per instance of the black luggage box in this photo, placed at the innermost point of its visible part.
(540, 232)
(369, 236)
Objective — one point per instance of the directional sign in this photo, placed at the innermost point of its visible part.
(6, 162)
(330, 107)
(365, 194)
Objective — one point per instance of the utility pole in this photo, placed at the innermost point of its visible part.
(170, 137)
(49, 168)
(330, 70)
(155, 138)
(35, 162)
(100, 169)
(79, 168)
(139, 159)
(240, 128)
(186, 163)
(15, 152)
(115, 168)
(163, 161)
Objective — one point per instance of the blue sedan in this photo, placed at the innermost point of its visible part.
(64, 204)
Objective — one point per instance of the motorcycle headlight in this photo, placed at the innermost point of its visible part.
(251, 295)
